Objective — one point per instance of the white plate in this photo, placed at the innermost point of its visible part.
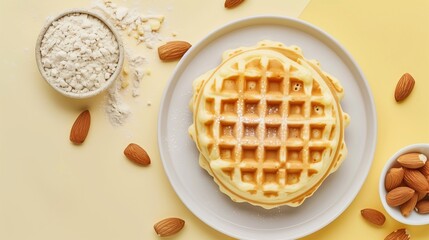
(196, 188)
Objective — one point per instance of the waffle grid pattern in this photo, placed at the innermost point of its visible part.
(270, 129)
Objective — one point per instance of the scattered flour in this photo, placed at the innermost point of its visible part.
(135, 62)
(116, 109)
(145, 30)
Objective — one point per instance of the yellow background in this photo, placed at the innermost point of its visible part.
(52, 189)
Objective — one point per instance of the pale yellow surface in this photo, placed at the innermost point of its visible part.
(51, 189)
(387, 39)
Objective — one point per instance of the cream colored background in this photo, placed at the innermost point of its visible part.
(51, 189)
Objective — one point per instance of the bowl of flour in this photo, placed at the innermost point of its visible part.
(79, 53)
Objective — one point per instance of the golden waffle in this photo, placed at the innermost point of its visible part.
(268, 125)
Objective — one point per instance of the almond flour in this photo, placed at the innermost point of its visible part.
(79, 53)
(116, 109)
(144, 29)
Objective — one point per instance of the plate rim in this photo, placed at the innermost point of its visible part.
(263, 19)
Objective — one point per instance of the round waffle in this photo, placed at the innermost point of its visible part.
(268, 125)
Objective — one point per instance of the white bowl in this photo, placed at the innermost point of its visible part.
(108, 82)
(414, 218)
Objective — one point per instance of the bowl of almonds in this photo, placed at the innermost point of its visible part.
(404, 185)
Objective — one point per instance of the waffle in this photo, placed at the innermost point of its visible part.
(268, 125)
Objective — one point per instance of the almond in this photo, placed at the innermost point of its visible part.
(80, 127)
(425, 169)
(404, 87)
(423, 206)
(168, 226)
(373, 216)
(232, 3)
(409, 205)
(412, 160)
(173, 50)
(393, 178)
(137, 154)
(421, 195)
(400, 234)
(399, 196)
(416, 180)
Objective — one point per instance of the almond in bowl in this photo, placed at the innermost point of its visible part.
(404, 185)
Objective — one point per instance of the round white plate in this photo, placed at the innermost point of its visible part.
(196, 188)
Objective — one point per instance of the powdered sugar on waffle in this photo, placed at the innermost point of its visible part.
(268, 125)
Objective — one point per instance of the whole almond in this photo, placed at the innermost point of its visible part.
(168, 226)
(373, 216)
(422, 207)
(173, 50)
(416, 180)
(421, 195)
(137, 154)
(412, 160)
(80, 128)
(409, 205)
(232, 3)
(399, 196)
(404, 87)
(400, 234)
(393, 178)
(425, 169)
